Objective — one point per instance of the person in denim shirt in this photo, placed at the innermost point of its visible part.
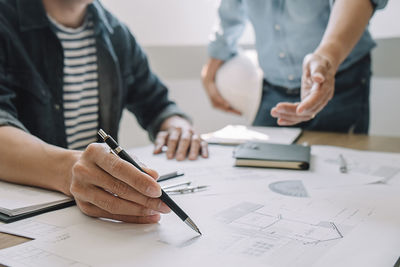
(33, 145)
(315, 56)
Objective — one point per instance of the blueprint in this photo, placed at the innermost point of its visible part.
(277, 233)
(248, 217)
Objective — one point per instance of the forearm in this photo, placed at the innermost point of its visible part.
(214, 64)
(25, 159)
(211, 68)
(344, 29)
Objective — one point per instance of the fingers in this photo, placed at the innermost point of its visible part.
(312, 98)
(218, 101)
(286, 114)
(204, 149)
(317, 99)
(160, 142)
(314, 102)
(101, 179)
(121, 170)
(197, 146)
(316, 67)
(318, 70)
(94, 211)
(184, 145)
(173, 140)
(111, 203)
(103, 185)
(111, 189)
(151, 172)
(317, 86)
(284, 122)
(194, 147)
(234, 111)
(288, 111)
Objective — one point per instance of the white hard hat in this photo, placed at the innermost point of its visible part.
(240, 81)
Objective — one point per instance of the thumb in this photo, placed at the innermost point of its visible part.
(318, 71)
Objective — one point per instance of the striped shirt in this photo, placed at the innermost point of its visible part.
(80, 84)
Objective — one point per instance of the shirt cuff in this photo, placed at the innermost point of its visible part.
(6, 119)
(379, 4)
(171, 110)
(220, 51)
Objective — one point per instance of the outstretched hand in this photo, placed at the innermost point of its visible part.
(317, 88)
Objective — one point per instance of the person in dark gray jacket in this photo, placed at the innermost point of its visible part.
(67, 69)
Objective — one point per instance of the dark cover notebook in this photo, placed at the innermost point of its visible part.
(255, 154)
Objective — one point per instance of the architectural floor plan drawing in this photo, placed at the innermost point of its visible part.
(267, 233)
(279, 227)
(279, 232)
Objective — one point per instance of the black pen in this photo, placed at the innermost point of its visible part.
(164, 197)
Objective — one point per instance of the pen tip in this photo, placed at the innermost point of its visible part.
(197, 230)
(192, 225)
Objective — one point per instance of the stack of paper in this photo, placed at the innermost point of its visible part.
(238, 134)
(19, 200)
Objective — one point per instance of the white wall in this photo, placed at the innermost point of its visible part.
(190, 96)
(169, 22)
(386, 23)
(385, 99)
(187, 23)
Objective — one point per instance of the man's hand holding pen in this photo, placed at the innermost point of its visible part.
(104, 185)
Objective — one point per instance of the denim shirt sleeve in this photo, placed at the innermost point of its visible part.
(147, 96)
(231, 24)
(8, 111)
(378, 4)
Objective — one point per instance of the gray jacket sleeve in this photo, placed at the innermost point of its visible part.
(147, 97)
(8, 111)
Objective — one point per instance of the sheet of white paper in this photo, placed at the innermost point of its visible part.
(237, 134)
(244, 219)
(385, 166)
(47, 223)
(28, 254)
(223, 178)
(246, 229)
